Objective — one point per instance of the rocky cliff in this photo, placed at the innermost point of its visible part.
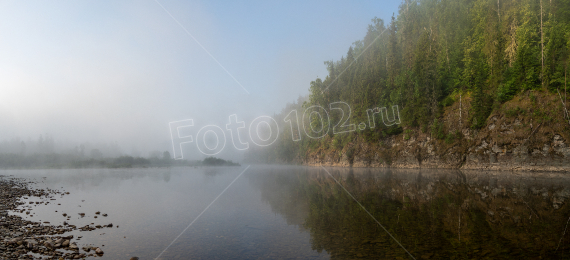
(528, 133)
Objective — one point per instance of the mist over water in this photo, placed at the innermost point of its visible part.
(112, 75)
(157, 204)
(291, 212)
(139, 125)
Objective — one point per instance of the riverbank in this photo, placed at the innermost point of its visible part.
(423, 152)
(523, 135)
(24, 239)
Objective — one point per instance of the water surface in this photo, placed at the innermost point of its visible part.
(284, 212)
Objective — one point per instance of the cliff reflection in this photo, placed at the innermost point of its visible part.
(432, 213)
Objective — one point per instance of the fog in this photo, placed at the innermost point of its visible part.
(111, 75)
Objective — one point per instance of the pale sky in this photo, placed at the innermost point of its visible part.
(119, 71)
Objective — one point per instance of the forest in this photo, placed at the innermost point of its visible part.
(432, 54)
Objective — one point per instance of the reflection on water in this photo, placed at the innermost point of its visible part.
(301, 212)
(432, 213)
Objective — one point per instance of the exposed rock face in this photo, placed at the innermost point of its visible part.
(478, 152)
(521, 135)
(553, 156)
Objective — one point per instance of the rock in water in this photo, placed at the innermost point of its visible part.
(134, 258)
(99, 251)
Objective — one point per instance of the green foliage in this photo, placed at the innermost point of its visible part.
(513, 112)
(395, 130)
(450, 138)
(371, 136)
(481, 108)
(448, 101)
(437, 130)
(408, 134)
(506, 91)
(556, 67)
(337, 142)
(438, 47)
(509, 88)
(314, 144)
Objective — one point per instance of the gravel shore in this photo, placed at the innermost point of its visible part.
(24, 239)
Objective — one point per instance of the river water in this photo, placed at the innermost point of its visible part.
(294, 212)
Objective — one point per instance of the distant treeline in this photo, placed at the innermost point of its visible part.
(55, 160)
(212, 161)
(60, 160)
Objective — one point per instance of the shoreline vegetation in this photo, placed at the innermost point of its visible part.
(67, 161)
(479, 85)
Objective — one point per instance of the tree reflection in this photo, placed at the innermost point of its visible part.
(433, 214)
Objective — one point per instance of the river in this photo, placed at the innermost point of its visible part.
(286, 212)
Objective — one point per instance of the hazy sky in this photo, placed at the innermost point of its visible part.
(119, 71)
